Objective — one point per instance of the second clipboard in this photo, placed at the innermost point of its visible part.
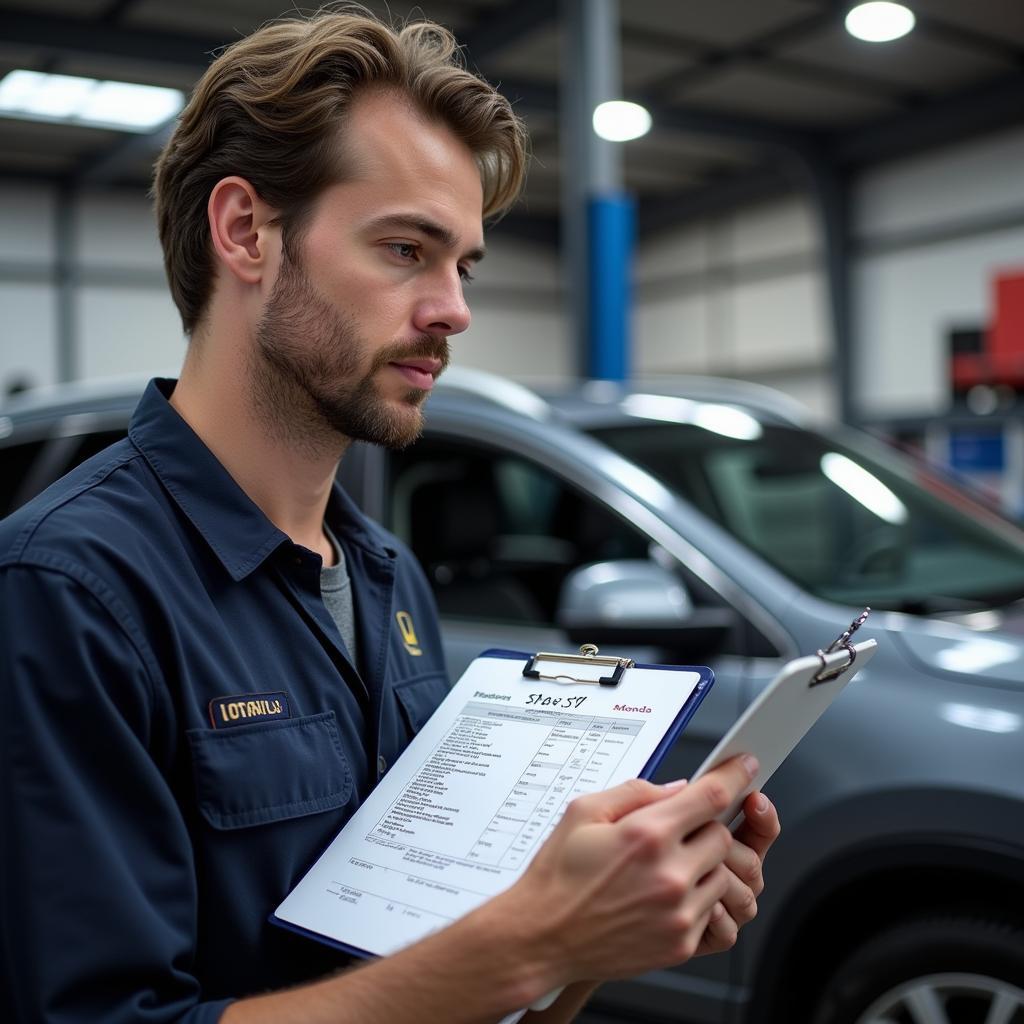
(779, 717)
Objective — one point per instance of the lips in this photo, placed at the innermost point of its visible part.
(420, 373)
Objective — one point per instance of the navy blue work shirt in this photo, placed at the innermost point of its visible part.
(183, 729)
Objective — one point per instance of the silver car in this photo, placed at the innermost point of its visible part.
(708, 522)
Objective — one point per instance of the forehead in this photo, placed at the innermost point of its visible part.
(393, 156)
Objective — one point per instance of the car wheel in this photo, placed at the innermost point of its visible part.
(949, 970)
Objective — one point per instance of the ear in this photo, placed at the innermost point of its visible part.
(242, 230)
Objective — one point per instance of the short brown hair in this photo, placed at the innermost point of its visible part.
(269, 108)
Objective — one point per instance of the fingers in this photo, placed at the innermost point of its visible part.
(705, 849)
(721, 932)
(745, 868)
(745, 885)
(709, 797)
(707, 895)
(615, 803)
(761, 826)
(738, 904)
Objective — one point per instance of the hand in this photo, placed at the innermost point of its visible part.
(745, 861)
(628, 879)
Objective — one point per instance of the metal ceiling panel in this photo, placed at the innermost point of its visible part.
(536, 57)
(691, 151)
(232, 19)
(795, 102)
(917, 61)
(224, 19)
(1000, 19)
(47, 141)
(711, 70)
(172, 76)
(643, 64)
(75, 8)
(718, 23)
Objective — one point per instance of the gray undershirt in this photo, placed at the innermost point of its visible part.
(336, 589)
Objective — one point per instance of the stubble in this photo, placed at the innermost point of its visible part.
(309, 376)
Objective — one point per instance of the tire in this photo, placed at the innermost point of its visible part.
(939, 970)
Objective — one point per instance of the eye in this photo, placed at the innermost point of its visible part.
(404, 250)
(466, 275)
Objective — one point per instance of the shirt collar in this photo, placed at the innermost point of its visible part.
(236, 529)
(230, 521)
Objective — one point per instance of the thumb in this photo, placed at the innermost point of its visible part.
(620, 800)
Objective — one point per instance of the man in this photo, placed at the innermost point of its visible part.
(320, 206)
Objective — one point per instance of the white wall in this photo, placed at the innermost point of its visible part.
(744, 294)
(518, 326)
(28, 333)
(125, 323)
(932, 232)
(739, 295)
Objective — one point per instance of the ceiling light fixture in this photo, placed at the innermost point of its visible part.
(879, 21)
(68, 99)
(620, 121)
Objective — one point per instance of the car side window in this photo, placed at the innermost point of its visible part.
(16, 461)
(28, 468)
(496, 533)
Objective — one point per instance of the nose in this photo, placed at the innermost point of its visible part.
(443, 309)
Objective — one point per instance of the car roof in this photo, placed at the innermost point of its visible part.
(599, 403)
(586, 405)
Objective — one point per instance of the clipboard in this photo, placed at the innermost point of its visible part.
(396, 871)
(554, 685)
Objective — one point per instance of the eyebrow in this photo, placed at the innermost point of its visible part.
(430, 228)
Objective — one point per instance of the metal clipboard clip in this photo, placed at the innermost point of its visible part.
(588, 656)
(843, 640)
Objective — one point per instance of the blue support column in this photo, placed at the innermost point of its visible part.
(597, 216)
(610, 229)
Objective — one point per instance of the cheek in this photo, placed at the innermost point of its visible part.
(370, 296)
(382, 314)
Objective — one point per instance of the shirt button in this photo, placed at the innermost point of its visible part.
(382, 765)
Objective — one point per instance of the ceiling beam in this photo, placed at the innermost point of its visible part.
(713, 59)
(761, 184)
(115, 10)
(73, 37)
(731, 126)
(976, 111)
(544, 99)
(540, 228)
(112, 164)
(64, 36)
(964, 36)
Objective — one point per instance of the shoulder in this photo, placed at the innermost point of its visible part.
(98, 527)
(93, 500)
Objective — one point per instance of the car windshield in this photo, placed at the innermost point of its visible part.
(846, 525)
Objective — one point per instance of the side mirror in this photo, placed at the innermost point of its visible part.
(636, 601)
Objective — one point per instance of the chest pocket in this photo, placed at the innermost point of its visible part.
(419, 698)
(269, 771)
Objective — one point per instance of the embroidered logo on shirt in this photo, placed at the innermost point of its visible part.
(248, 707)
(408, 631)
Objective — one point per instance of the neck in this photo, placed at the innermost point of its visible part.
(288, 477)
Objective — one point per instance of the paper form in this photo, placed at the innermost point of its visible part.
(463, 811)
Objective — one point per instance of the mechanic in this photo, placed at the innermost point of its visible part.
(211, 656)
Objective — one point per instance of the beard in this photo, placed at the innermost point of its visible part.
(310, 377)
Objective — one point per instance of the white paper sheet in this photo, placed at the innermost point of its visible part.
(460, 815)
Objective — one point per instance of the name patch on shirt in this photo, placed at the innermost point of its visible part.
(248, 707)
